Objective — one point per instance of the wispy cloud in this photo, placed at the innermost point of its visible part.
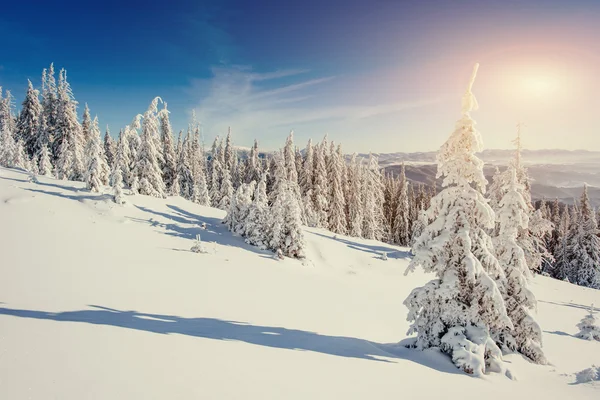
(255, 104)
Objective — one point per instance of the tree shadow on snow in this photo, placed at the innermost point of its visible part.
(187, 225)
(77, 197)
(268, 336)
(573, 305)
(376, 250)
(559, 333)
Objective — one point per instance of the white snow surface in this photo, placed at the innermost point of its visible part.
(101, 301)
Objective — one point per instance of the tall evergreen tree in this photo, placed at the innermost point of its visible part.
(28, 124)
(512, 215)
(68, 128)
(456, 311)
(355, 201)
(337, 209)
(93, 176)
(147, 168)
(402, 232)
(169, 170)
(110, 147)
(320, 200)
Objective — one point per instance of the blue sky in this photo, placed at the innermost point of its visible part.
(375, 75)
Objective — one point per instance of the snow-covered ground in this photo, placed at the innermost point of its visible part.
(100, 301)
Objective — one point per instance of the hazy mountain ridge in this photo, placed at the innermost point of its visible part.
(554, 173)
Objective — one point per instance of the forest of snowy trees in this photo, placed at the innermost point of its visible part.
(269, 195)
(499, 234)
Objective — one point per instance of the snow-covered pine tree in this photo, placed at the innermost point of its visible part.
(110, 148)
(169, 170)
(355, 201)
(457, 310)
(402, 231)
(372, 195)
(561, 266)
(185, 169)
(86, 125)
(133, 143)
(228, 153)
(226, 192)
(239, 208)
(512, 215)
(50, 112)
(94, 168)
(68, 128)
(215, 178)
(320, 199)
(21, 160)
(64, 163)
(584, 246)
(147, 167)
(285, 223)
(253, 165)
(589, 329)
(7, 117)
(28, 124)
(45, 164)
(337, 202)
(8, 147)
(119, 162)
(258, 215)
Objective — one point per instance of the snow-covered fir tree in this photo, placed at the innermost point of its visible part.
(239, 208)
(253, 169)
(258, 215)
(169, 167)
(372, 195)
(355, 201)
(228, 153)
(584, 246)
(337, 202)
(456, 311)
(110, 148)
(93, 176)
(45, 164)
(402, 233)
(285, 223)
(226, 191)
(319, 190)
(50, 102)
(589, 329)
(68, 129)
(28, 124)
(118, 164)
(86, 125)
(64, 162)
(8, 147)
(147, 168)
(512, 215)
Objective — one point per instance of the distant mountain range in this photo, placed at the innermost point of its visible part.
(554, 173)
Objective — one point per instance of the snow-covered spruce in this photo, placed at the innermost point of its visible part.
(28, 124)
(258, 211)
(401, 218)
(512, 215)
(589, 328)
(457, 310)
(147, 168)
(93, 179)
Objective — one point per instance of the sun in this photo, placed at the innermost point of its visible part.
(540, 85)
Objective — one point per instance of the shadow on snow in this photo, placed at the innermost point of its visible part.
(187, 225)
(376, 250)
(268, 336)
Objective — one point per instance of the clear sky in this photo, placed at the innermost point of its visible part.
(379, 75)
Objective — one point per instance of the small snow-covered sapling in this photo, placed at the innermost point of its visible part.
(588, 327)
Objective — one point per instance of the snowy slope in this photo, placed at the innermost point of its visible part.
(107, 302)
